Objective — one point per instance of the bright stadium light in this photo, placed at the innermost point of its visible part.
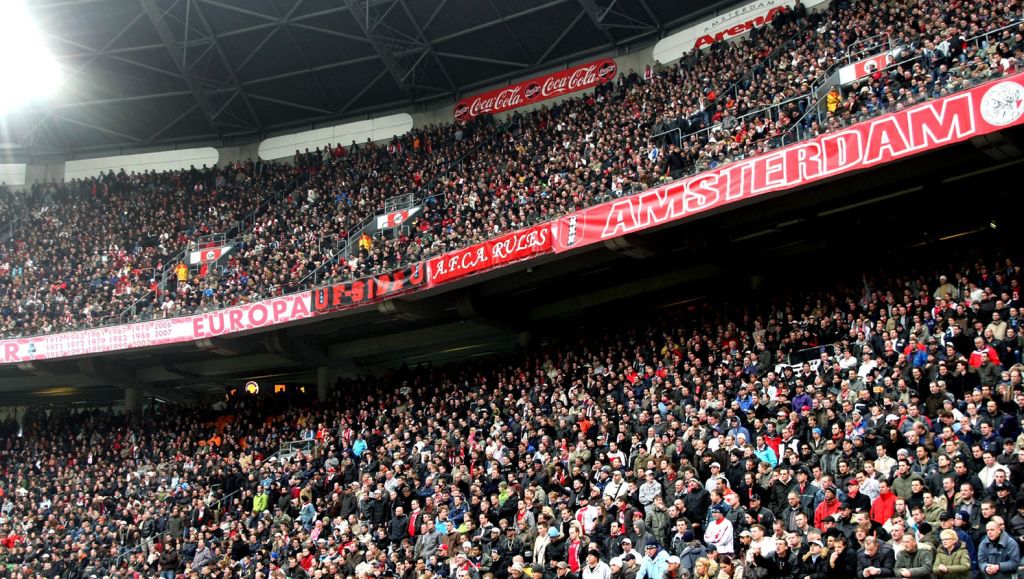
(28, 71)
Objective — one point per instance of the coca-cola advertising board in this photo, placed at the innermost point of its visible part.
(537, 89)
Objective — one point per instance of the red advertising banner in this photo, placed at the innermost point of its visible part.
(537, 89)
(354, 293)
(500, 251)
(955, 118)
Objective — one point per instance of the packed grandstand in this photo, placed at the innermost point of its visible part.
(479, 178)
(678, 445)
(673, 446)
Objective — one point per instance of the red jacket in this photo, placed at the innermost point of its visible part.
(883, 507)
(978, 357)
(825, 509)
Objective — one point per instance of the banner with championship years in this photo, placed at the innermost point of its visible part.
(537, 89)
(365, 291)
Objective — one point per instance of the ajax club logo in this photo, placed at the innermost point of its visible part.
(1003, 104)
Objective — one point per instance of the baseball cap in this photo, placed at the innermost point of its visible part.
(745, 534)
(673, 559)
(816, 542)
(616, 561)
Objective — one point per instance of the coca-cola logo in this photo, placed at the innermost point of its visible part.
(538, 89)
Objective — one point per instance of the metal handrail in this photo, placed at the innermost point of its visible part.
(766, 61)
(861, 47)
(752, 114)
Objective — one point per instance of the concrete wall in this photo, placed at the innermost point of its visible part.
(376, 129)
(142, 162)
(246, 152)
(12, 174)
(47, 172)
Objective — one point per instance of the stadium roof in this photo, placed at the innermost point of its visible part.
(143, 73)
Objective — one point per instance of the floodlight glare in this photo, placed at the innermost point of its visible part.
(28, 71)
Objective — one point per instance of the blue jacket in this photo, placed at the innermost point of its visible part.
(307, 515)
(653, 568)
(766, 454)
(358, 447)
(1004, 552)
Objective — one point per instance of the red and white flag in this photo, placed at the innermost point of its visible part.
(209, 254)
(395, 218)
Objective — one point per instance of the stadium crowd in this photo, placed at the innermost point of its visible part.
(671, 448)
(83, 251)
(87, 251)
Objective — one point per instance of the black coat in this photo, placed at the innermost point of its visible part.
(884, 559)
(814, 569)
(845, 565)
(778, 566)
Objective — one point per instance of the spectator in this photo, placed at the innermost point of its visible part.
(951, 558)
(998, 554)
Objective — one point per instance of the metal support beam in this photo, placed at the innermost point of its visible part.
(501, 20)
(593, 11)
(321, 68)
(291, 104)
(650, 14)
(232, 74)
(474, 58)
(366, 87)
(167, 36)
(508, 28)
(173, 122)
(430, 47)
(544, 57)
(360, 10)
(98, 128)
